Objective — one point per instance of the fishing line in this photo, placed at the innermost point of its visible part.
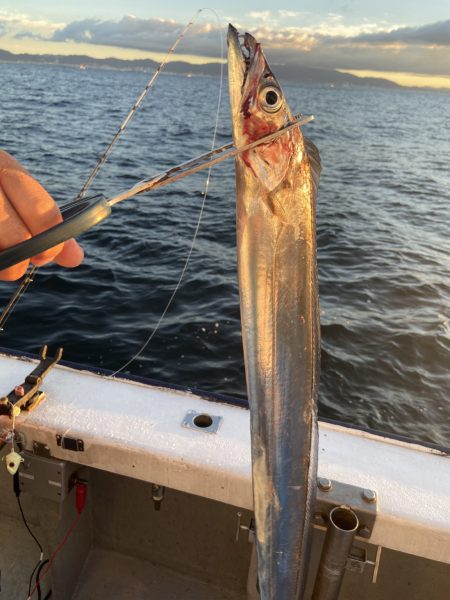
(200, 216)
(104, 157)
(33, 269)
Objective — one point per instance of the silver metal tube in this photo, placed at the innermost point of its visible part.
(341, 530)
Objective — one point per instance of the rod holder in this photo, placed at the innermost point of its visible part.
(343, 524)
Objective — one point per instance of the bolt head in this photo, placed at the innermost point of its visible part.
(319, 519)
(369, 496)
(324, 484)
(364, 532)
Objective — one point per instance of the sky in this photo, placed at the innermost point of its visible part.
(407, 41)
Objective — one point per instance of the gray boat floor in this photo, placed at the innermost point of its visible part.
(184, 552)
(117, 577)
(108, 574)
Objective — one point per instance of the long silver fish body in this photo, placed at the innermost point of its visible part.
(276, 194)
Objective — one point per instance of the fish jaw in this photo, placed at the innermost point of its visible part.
(258, 108)
(237, 70)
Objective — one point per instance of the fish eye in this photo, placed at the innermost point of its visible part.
(270, 99)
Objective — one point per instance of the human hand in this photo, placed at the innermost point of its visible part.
(26, 209)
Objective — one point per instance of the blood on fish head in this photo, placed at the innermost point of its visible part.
(258, 108)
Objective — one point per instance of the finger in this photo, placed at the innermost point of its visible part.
(47, 256)
(13, 232)
(14, 229)
(15, 272)
(71, 255)
(29, 199)
(37, 210)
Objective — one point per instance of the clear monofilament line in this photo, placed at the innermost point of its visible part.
(199, 220)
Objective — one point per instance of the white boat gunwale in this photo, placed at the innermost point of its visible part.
(222, 398)
(125, 433)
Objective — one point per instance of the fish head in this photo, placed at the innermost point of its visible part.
(258, 108)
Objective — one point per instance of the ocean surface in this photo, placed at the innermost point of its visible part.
(383, 231)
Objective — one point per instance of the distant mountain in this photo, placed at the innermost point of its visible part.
(292, 73)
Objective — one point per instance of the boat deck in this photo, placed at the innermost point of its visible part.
(119, 577)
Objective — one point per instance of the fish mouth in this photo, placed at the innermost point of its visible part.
(242, 50)
(242, 46)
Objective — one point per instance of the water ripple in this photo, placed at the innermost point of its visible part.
(383, 244)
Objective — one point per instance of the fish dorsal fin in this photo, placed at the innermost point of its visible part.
(314, 161)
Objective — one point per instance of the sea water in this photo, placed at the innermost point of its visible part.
(382, 230)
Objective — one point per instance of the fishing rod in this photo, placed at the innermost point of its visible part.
(32, 271)
(82, 214)
(85, 213)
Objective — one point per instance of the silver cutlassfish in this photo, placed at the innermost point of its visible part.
(276, 195)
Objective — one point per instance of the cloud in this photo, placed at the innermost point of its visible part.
(434, 34)
(154, 35)
(370, 46)
(290, 39)
(157, 35)
(16, 23)
(355, 56)
(289, 14)
(328, 42)
(261, 15)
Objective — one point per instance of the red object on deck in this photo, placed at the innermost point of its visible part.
(80, 496)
